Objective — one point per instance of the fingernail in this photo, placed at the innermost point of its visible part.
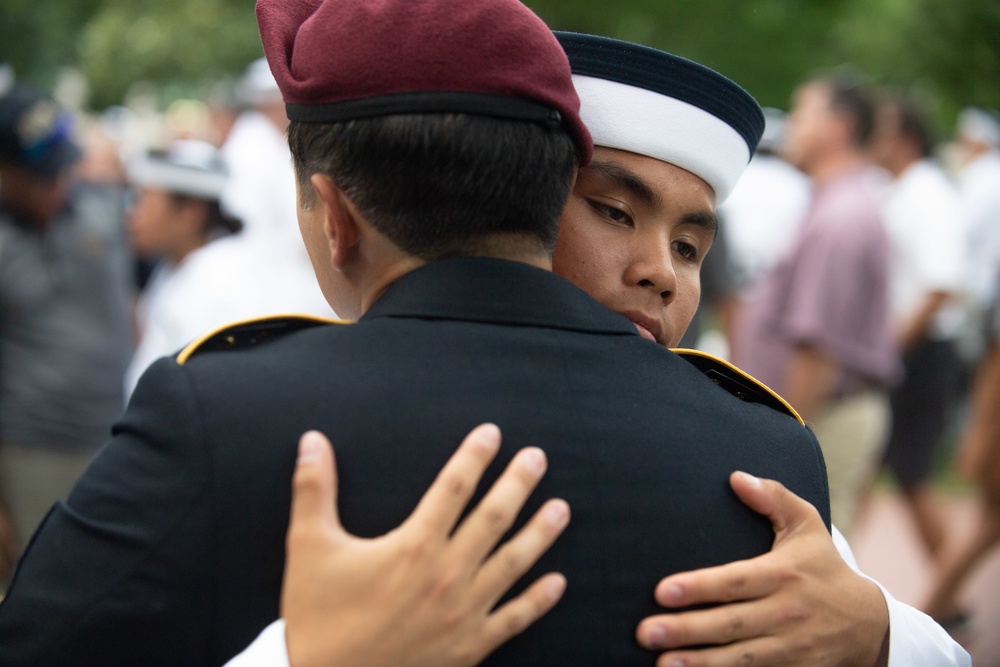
(656, 638)
(555, 588)
(673, 594)
(533, 459)
(676, 662)
(309, 445)
(750, 479)
(487, 436)
(557, 513)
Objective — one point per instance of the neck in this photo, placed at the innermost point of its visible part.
(899, 166)
(386, 277)
(394, 270)
(836, 165)
(182, 249)
(512, 247)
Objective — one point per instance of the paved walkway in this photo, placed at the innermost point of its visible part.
(887, 548)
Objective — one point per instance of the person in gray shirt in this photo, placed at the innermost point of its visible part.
(65, 327)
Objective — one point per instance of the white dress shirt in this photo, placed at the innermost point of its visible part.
(923, 217)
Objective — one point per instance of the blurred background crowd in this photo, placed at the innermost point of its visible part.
(146, 197)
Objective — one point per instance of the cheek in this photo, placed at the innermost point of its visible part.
(570, 256)
(686, 299)
(577, 259)
(140, 226)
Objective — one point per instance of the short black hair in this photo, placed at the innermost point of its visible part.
(912, 120)
(851, 97)
(440, 185)
(217, 221)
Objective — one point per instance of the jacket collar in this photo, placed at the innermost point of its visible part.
(478, 289)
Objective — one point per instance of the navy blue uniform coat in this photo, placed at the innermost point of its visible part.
(169, 551)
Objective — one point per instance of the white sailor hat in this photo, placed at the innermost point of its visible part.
(646, 101)
(980, 125)
(187, 167)
(258, 85)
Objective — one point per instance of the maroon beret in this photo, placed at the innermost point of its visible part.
(338, 60)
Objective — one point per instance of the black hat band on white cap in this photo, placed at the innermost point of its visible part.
(652, 103)
(188, 167)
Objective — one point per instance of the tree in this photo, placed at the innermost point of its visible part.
(950, 50)
(766, 46)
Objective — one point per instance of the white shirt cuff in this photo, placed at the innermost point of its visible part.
(268, 650)
(915, 639)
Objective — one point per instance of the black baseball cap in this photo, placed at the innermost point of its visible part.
(35, 133)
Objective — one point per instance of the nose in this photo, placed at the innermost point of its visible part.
(652, 267)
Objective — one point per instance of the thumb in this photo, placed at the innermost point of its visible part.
(314, 485)
(770, 498)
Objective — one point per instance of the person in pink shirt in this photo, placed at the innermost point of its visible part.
(816, 329)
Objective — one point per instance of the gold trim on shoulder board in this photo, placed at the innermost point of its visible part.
(747, 387)
(227, 336)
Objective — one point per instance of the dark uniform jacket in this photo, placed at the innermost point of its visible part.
(169, 551)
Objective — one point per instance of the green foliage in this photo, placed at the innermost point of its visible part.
(948, 49)
(184, 45)
(946, 52)
(765, 45)
(38, 37)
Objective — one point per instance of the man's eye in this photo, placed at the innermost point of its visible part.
(612, 213)
(686, 250)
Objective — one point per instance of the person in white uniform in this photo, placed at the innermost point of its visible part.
(199, 279)
(766, 206)
(261, 193)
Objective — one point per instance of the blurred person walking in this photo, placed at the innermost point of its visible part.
(761, 216)
(923, 216)
(978, 138)
(979, 461)
(65, 331)
(816, 328)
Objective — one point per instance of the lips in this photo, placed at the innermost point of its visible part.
(647, 327)
(644, 332)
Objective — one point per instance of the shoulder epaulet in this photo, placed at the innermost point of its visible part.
(248, 333)
(736, 382)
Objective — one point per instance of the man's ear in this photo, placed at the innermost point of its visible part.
(340, 220)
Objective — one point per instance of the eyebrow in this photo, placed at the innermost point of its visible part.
(705, 219)
(623, 177)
